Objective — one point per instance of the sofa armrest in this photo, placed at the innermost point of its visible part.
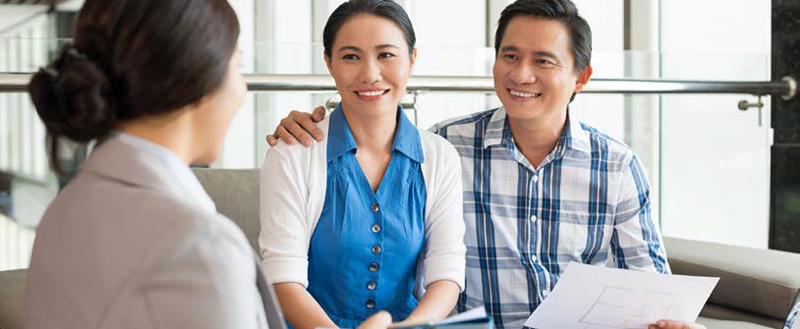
(761, 281)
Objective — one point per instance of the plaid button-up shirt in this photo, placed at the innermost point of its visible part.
(588, 200)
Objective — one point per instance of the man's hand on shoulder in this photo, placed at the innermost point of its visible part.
(299, 126)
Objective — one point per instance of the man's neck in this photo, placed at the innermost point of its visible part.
(536, 138)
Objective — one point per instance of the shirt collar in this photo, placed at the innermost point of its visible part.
(574, 136)
(498, 133)
(170, 164)
(406, 138)
(340, 138)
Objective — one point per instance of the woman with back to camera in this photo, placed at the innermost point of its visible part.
(133, 241)
(351, 225)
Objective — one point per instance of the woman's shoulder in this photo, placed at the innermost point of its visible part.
(117, 208)
(299, 152)
(189, 233)
(147, 226)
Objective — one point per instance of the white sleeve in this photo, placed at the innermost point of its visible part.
(205, 281)
(285, 233)
(444, 226)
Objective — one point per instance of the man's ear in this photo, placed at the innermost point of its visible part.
(413, 56)
(583, 78)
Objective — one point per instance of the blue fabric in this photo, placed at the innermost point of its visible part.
(341, 249)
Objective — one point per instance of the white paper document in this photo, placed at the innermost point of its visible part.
(594, 297)
(471, 315)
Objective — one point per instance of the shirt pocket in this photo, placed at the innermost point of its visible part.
(582, 238)
(562, 234)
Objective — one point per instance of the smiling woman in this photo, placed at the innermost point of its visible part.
(392, 193)
(371, 71)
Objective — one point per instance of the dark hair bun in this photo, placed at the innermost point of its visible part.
(72, 97)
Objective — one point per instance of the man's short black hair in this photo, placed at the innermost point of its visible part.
(560, 10)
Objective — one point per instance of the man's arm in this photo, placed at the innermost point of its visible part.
(302, 126)
(636, 241)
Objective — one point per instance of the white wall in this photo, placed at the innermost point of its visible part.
(22, 145)
(22, 49)
(13, 15)
(604, 112)
(449, 44)
(715, 159)
(239, 148)
(284, 41)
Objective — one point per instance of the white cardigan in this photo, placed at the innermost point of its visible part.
(293, 184)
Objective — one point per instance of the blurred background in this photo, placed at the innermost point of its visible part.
(708, 162)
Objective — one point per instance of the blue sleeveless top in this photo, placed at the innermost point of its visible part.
(364, 250)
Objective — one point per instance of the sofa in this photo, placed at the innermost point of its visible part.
(757, 287)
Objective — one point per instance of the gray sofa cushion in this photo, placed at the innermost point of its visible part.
(727, 324)
(764, 282)
(12, 291)
(717, 312)
(235, 192)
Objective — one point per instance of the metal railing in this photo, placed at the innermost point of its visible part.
(786, 88)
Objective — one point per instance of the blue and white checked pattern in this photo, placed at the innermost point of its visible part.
(791, 321)
(588, 199)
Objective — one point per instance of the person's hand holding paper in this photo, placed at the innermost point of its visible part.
(670, 324)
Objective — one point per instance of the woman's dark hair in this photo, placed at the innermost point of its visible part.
(131, 59)
(382, 8)
(561, 10)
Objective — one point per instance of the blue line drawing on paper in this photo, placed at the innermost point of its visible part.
(619, 307)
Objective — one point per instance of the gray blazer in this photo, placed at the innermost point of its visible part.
(132, 243)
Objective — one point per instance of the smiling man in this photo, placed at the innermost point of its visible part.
(544, 188)
(541, 188)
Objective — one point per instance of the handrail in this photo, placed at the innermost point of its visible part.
(786, 88)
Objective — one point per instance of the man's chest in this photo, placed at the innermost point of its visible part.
(564, 208)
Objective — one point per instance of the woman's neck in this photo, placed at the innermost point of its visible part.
(373, 133)
(172, 132)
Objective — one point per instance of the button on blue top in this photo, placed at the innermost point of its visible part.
(341, 254)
